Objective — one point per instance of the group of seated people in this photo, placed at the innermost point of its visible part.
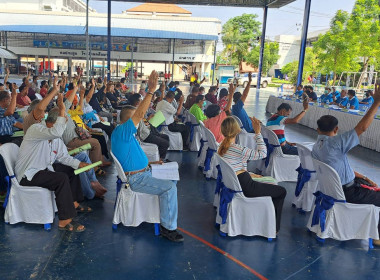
(62, 121)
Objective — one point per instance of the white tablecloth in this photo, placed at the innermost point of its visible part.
(369, 139)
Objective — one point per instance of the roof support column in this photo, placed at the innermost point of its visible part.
(109, 46)
(49, 66)
(172, 78)
(214, 68)
(262, 45)
(87, 46)
(131, 70)
(305, 28)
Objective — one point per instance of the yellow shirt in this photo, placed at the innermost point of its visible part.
(75, 116)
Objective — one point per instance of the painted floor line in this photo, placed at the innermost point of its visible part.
(254, 272)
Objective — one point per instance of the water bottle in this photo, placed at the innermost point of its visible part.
(319, 101)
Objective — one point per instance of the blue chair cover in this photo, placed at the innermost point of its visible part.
(209, 154)
(8, 179)
(119, 183)
(322, 203)
(89, 117)
(191, 129)
(304, 176)
(226, 196)
(270, 149)
(159, 128)
(201, 147)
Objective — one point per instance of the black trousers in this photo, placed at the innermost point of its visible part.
(253, 188)
(161, 140)
(107, 128)
(65, 184)
(103, 144)
(181, 128)
(9, 139)
(358, 195)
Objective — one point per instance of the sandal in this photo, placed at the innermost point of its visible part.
(73, 226)
(100, 172)
(83, 209)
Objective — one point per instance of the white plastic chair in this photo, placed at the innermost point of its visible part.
(245, 216)
(208, 151)
(305, 200)
(194, 142)
(344, 221)
(133, 208)
(282, 167)
(32, 205)
(150, 150)
(175, 138)
(203, 148)
(244, 138)
(38, 96)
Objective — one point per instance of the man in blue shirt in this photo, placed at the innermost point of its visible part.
(238, 108)
(332, 149)
(327, 96)
(299, 92)
(135, 163)
(335, 93)
(343, 99)
(353, 100)
(368, 100)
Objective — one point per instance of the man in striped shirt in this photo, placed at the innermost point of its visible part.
(277, 123)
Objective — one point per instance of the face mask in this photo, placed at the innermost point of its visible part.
(326, 91)
(204, 103)
(46, 115)
(137, 126)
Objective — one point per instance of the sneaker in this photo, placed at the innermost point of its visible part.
(172, 235)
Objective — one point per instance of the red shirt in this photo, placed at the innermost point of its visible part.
(23, 100)
(214, 125)
(43, 91)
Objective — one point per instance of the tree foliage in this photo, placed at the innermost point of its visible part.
(269, 59)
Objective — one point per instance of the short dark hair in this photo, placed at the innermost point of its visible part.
(195, 89)
(351, 92)
(201, 88)
(4, 95)
(124, 112)
(212, 111)
(21, 88)
(237, 96)
(285, 106)
(212, 88)
(199, 98)
(223, 92)
(327, 123)
(171, 84)
(170, 94)
(35, 78)
(176, 83)
(122, 80)
(134, 98)
(71, 86)
(43, 83)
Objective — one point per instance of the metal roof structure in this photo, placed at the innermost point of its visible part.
(230, 3)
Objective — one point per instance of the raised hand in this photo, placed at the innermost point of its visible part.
(256, 125)
(60, 104)
(376, 95)
(249, 77)
(152, 81)
(305, 102)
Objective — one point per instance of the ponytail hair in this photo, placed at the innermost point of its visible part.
(229, 128)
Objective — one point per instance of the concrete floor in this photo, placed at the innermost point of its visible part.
(29, 252)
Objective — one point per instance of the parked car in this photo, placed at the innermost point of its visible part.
(243, 80)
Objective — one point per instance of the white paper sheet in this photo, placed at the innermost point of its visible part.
(166, 171)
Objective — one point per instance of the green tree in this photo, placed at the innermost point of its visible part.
(269, 59)
(239, 36)
(336, 50)
(365, 30)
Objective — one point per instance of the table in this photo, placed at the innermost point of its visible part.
(347, 120)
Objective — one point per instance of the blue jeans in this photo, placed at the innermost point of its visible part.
(86, 177)
(166, 190)
(289, 149)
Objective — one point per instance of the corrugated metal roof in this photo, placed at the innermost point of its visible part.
(127, 26)
(231, 3)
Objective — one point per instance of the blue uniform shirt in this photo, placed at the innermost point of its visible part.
(354, 102)
(126, 148)
(239, 111)
(369, 100)
(327, 97)
(333, 151)
(336, 94)
(342, 101)
(298, 93)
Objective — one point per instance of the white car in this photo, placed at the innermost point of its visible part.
(243, 80)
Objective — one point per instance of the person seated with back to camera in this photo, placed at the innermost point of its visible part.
(279, 120)
(135, 164)
(43, 161)
(332, 149)
(237, 156)
(215, 116)
(170, 114)
(197, 108)
(146, 132)
(238, 108)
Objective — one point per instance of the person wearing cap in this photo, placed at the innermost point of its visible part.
(353, 100)
(368, 100)
(238, 108)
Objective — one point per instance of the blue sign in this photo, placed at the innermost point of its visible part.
(100, 46)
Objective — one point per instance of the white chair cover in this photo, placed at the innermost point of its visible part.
(175, 139)
(246, 216)
(211, 144)
(151, 151)
(133, 208)
(244, 138)
(39, 96)
(194, 145)
(32, 205)
(344, 221)
(281, 167)
(306, 198)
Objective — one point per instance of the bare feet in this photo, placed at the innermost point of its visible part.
(106, 163)
(99, 189)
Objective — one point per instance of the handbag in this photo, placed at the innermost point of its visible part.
(82, 133)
